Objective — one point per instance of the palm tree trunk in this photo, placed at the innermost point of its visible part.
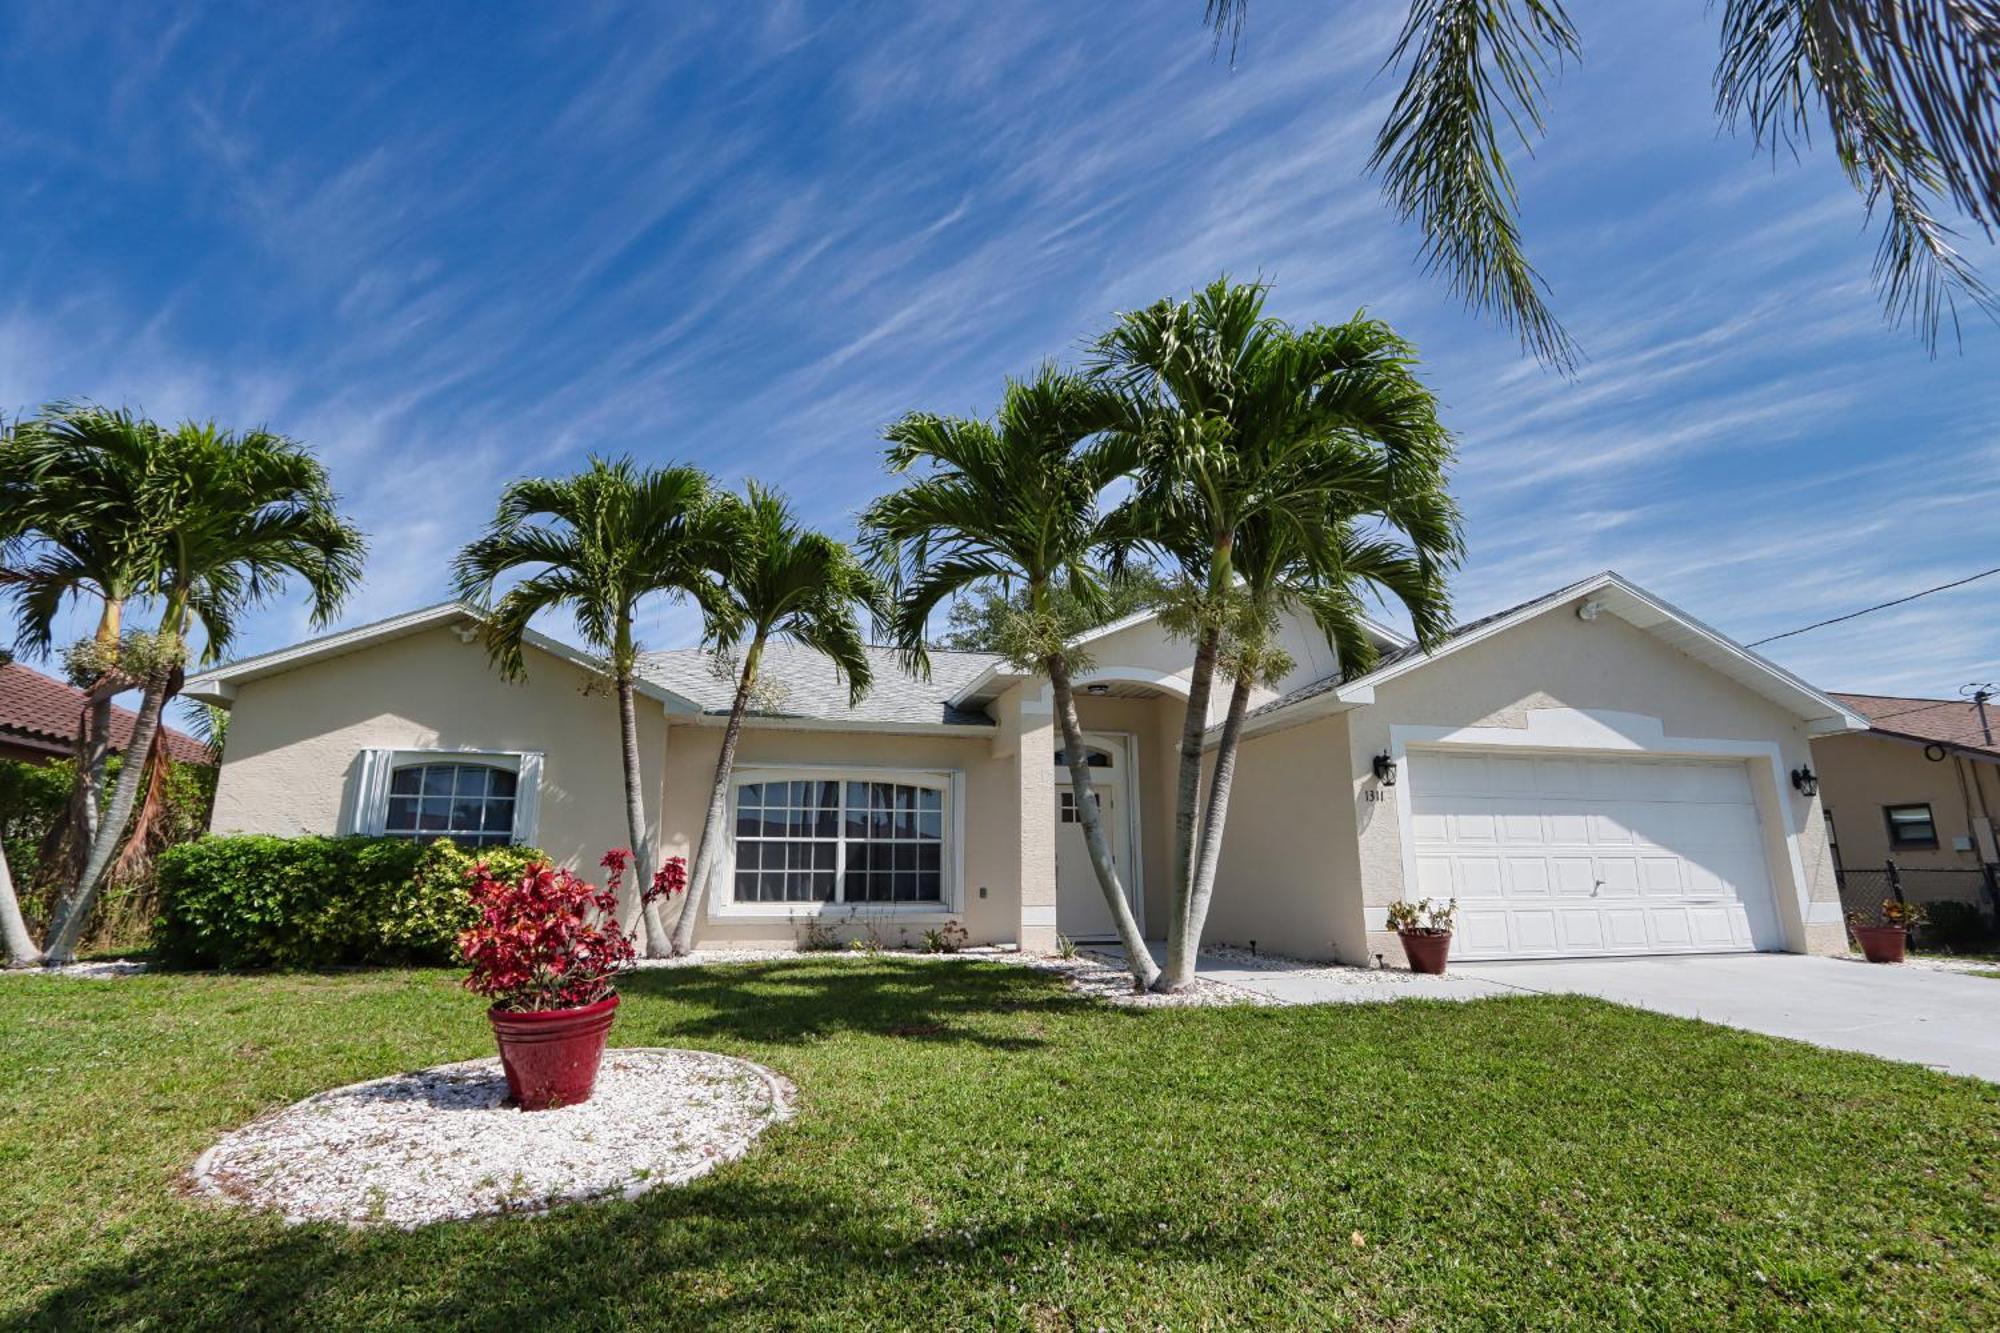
(93, 763)
(1209, 854)
(72, 913)
(21, 950)
(632, 909)
(1187, 793)
(1087, 813)
(718, 802)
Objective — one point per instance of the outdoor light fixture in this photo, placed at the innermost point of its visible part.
(1385, 769)
(1589, 610)
(1806, 781)
(1098, 688)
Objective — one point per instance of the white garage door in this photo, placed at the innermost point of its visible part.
(1558, 855)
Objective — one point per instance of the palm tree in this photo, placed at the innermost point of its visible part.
(1908, 91)
(74, 469)
(789, 584)
(1258, 447)
(596, 545)
(1015, 502)
(228, 519)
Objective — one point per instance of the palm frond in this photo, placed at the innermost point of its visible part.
(1471, 65)
(1911, 95)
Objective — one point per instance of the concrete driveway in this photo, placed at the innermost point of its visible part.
(1949, 1021)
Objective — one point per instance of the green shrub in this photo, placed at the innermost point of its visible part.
(254, 900)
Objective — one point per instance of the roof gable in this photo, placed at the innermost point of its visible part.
(1609, 593)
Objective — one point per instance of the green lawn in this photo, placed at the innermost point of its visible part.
(975, 1148)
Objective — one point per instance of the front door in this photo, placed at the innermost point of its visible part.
(1081, 913)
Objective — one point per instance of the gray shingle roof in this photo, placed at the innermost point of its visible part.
(800, 683)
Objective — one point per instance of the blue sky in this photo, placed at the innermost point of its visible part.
(451, 245)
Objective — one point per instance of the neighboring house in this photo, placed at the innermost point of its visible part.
(40, 717)
(1921, 785)
(1592, 772)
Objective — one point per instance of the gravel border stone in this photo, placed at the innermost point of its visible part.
(438, 1145)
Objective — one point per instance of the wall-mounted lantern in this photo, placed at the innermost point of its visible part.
(1385, 769)
(1805, 780)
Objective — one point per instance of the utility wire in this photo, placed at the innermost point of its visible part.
(1883, 606)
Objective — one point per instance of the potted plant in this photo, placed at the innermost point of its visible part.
(1885, 936)
(547, 952)
(1425, 929)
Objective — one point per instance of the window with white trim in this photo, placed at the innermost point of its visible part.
(841, 839)
(478, 798)
(470, 803)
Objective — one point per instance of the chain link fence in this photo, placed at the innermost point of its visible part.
(1963, 905)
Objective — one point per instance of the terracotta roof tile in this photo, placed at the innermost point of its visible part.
(40, 711)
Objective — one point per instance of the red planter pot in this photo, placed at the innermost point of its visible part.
(551, 1057)
(1881, 944)
(1426, 951)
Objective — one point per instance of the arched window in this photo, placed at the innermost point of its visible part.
(472, 804)
(1092, 758)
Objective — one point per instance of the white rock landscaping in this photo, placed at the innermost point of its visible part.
(437, 1145)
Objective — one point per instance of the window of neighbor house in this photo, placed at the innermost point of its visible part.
(472, 804)
(1911, 826)
(840, 840)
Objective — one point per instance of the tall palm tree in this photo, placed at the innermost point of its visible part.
(596, 545)
(1255, 444)
(789, 584)
(1015, 501)
(74, 468)
(1908, 91)
(229, 520)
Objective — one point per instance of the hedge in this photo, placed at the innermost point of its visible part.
(256, 901)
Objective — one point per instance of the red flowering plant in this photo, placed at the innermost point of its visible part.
(551, 939)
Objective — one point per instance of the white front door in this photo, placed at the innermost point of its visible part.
(1555, 855)
(1081, 913)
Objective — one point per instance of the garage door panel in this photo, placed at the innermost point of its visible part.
(1554, 855)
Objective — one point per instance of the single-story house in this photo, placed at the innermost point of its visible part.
(40, 718)
(1590, 773)
(1920, 787)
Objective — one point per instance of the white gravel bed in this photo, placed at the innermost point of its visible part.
(983, 953)
(1105, 977)
(437, 1145)
(108, 970)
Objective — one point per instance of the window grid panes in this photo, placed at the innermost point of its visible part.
(472, 804)
(837, 841)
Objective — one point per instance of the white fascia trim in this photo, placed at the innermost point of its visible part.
(999, 672)
(219, 684)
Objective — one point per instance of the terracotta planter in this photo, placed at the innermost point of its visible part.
(551, 1057)
(1426, 950)
(1881, 944)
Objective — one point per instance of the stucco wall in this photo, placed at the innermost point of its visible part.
(1288, 876)
(1859, 774)
(1143, 648)
(1557, 661)
(294, 739)
(992, 832)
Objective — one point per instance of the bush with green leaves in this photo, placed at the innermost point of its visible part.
(260, 901)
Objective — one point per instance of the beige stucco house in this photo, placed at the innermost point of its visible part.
(1591, 773)
(1920, 787)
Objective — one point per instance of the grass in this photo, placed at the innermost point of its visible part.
(976, 1147)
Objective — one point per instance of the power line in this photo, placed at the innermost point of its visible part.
(1883, 606)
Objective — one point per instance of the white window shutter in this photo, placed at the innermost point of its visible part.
(528, 799)
(368, 807)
